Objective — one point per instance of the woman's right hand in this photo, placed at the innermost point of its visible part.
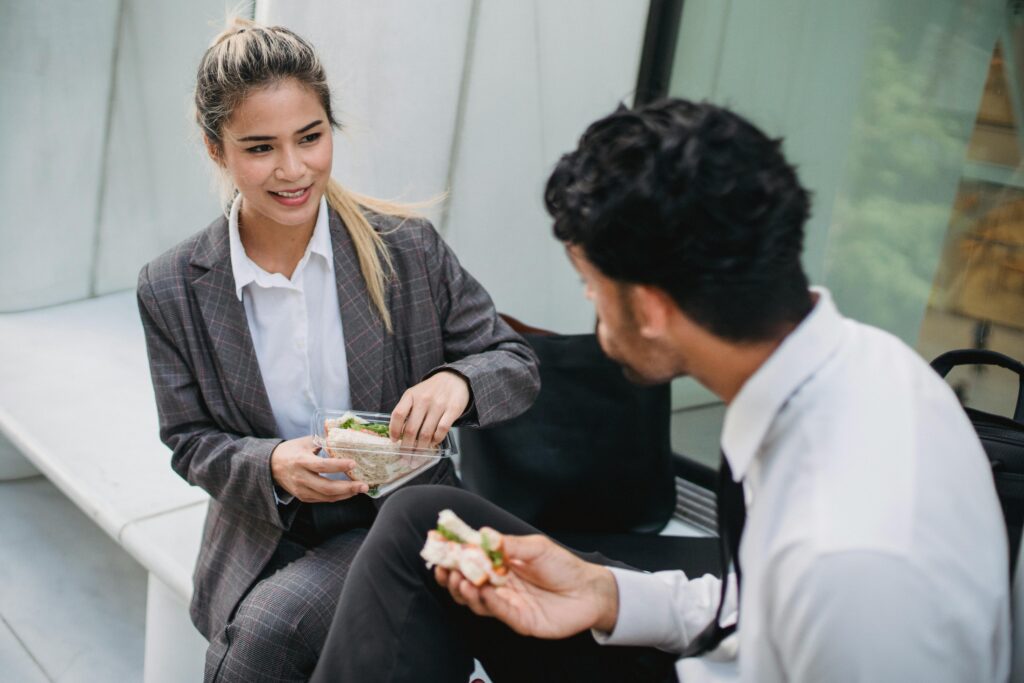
(296, 468)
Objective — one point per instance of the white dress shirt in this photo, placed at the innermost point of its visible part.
(296, 328)
(874, 547)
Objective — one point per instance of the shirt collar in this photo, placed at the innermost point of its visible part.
(246, 272)
(800, 355)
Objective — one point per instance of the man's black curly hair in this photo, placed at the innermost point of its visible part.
(695, 200)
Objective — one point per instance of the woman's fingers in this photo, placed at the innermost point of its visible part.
(328, 465)
(444, 425)
(319, 489)
(431, 423)
(413, 423)
(399, 415)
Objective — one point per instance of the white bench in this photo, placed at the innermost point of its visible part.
(76, 401)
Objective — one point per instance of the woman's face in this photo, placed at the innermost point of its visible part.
(277, 147)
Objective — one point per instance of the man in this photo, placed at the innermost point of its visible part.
(872, 546)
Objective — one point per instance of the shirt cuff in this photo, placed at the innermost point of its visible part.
(282, 498)
(647, 612)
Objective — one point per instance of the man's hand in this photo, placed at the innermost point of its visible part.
(296, 468)
(550, 593)
(428, 410)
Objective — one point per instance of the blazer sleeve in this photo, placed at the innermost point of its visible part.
(234, 469)
(499, 365)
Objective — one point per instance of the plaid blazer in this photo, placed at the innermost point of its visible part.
(214, 412)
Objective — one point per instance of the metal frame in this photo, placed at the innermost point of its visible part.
(659, 49)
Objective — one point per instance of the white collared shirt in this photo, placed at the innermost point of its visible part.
(874, 548)
(296, 328)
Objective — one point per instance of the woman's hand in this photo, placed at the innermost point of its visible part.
(296, 468)
(428, 410)
(550, 592)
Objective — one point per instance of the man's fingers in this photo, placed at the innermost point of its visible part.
(454, 581)
(471, 594)
(441, 575)
(525, 548)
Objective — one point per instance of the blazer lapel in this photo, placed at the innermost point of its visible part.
(362, 327)
(224, 316)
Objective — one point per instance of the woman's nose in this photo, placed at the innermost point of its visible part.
(290, 167)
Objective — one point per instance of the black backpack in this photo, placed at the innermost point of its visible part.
(1002, 438)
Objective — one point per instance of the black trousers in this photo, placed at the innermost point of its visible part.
(394, 623)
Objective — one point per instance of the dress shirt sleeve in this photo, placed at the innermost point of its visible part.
(861, 616)
(498, 364)
(664, 610)
(234, 469)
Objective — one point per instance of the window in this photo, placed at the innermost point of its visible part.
(904, 119)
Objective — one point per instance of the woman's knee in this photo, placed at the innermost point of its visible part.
(282, 621)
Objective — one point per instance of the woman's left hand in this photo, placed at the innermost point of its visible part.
(428, 410)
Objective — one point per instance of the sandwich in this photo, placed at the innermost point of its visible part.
(379, 460)
(477, 555)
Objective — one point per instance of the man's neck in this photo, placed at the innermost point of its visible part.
(725, 366)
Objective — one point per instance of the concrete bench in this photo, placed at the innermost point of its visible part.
(76, 401)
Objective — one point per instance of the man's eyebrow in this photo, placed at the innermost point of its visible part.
(265, 138)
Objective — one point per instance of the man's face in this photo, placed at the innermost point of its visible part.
(644, 359)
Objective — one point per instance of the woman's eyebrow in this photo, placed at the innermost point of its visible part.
(265, 138)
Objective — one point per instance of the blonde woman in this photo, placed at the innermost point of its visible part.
(303, 296)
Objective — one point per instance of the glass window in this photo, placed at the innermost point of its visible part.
(904, 120)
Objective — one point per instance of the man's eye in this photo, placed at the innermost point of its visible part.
(258, 149)
(312, 137)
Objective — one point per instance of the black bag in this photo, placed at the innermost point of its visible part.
(591, 455)
(1002, 437)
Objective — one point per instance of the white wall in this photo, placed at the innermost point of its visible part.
(80, 212)
(479, 97)
(159, 183)
(537, 73)
(540, 73)
(394, 67)
(54, 86)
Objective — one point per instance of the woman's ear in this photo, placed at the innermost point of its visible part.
(215, 151)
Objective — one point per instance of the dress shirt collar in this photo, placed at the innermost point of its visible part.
(246, 272)
(797, 358)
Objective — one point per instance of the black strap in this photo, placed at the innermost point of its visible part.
(949, 360)
(732, 515)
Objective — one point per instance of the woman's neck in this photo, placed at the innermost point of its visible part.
(274, 248)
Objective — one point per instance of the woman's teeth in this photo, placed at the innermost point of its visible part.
(290, 195)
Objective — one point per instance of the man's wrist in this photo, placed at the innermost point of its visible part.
(606, 591)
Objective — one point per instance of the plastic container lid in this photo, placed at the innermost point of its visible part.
(383, 464)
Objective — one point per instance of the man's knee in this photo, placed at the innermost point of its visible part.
(419, 505)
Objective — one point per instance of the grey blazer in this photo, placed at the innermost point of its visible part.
(214, 412)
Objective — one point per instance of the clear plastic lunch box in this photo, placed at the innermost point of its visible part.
(384, 466)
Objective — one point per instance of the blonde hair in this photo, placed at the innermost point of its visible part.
(247, 56)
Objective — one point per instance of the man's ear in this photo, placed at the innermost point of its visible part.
(214, 150)
(652, 308)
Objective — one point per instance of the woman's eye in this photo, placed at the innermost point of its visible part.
(312, 137)
(258, 149)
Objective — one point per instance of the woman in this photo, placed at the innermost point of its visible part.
(305, 296)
